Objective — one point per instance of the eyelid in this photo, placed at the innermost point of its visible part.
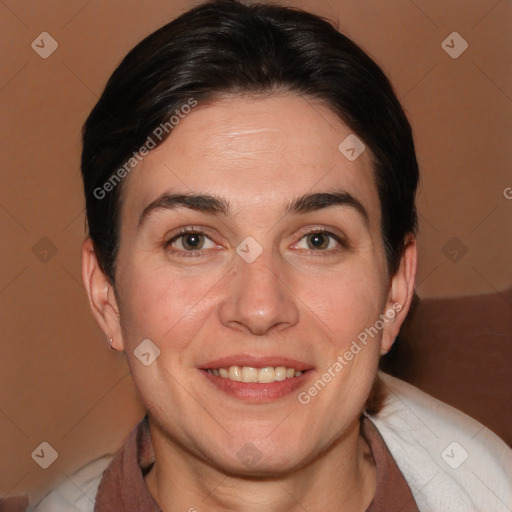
(202, 230)
(332, 232)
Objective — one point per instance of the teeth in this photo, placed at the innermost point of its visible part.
(266, 375)
(261, 375)
(249, 374)
(280, 372)
(235, 373)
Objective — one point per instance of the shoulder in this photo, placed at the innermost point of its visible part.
(451, 461)
(78, 492)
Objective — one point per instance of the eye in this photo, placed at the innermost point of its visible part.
(320, 240)
(189, 240)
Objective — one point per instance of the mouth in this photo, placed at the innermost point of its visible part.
(250, 374)
(257, 379)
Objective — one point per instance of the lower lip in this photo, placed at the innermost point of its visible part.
(255, 392)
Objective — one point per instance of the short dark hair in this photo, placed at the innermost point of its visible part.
(226, 47)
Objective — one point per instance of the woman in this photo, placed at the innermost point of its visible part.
(250, 180)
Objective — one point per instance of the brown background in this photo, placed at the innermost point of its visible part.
(59, 382)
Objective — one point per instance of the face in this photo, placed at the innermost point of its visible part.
(262, 282)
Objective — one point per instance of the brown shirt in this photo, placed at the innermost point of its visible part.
(123, 488)
(14, 504)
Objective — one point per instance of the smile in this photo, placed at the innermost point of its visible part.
(257, 378)
(260, 375)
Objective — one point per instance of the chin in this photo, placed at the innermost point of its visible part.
(260, 457)
(257, 466)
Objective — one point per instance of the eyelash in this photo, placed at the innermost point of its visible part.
(197, 252)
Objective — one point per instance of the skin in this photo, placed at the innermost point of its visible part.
(293, 300)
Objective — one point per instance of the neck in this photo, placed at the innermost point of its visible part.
(180, 481)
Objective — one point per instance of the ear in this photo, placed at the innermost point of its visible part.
(101, 296)
(401, 291)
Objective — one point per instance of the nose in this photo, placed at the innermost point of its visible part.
(259, 300)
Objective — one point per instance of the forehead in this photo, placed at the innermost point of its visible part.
(257, 152)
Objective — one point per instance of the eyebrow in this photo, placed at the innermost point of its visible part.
(214, 205)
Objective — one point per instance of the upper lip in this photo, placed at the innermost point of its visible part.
(254, 361)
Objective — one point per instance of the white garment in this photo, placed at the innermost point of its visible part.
(419, 431)
(78, 493)
(451, 462)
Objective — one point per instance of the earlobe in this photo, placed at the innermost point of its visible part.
(401, 293)
(100, 293)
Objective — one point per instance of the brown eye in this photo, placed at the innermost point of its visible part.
(192, 241)
(321, 241)
(189, 242)
(318, 241)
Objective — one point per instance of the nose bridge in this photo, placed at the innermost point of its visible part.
(262, 274)
(258, 280)
(260, 300)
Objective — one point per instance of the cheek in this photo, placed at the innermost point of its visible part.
(343, 302)
(167, 309)
(163, 305)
